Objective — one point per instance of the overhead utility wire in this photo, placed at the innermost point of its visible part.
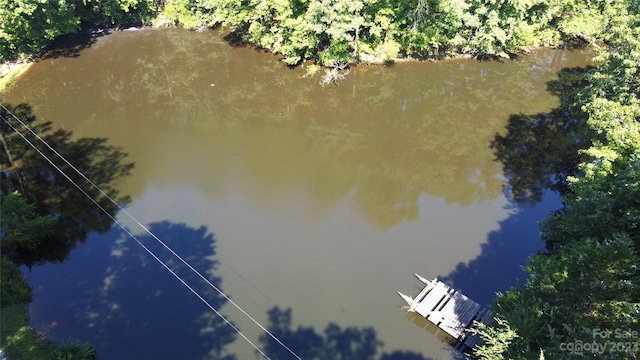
(155, 237)
(129, 233)
(133, 236)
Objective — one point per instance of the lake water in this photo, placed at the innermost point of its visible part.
(324, 200)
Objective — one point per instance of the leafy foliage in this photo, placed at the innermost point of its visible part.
(18, 339)
(589, 280)
(13, 286)
(21, 227)
(607, 195)
(385, 29)
(369, 30)
(74, 350)
(496, 339)
(27, 26)
(580, 286)
(606, 202)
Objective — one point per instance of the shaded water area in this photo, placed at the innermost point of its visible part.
(320, 200)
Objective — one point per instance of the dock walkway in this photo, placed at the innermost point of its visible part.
(450, 310)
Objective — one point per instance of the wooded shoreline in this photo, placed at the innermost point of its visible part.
(588, 276)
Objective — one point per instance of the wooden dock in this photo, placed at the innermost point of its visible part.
(451, 311)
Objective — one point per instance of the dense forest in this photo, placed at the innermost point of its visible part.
(586, 284)
(328, 31)
(582, 296)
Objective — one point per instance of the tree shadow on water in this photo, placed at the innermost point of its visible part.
(539, 151)
(71, 45)
(127, 305)
(500, 263)
(350, 343)
(28, 168)
(111, 293)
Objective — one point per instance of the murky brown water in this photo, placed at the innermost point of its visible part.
(322, 199)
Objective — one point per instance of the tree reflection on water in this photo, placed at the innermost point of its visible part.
(25, 170)
(387, 136)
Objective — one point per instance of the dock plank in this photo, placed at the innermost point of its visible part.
(434, 298)
(453, 312)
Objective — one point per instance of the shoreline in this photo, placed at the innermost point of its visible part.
(11, 70)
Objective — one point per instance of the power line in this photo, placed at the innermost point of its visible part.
(128, 232)
(148, 231)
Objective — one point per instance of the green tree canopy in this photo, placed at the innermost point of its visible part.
(27, 26)
(20, 226)
(579, 287)
(589, 279)
(373, 30)
(329, 30)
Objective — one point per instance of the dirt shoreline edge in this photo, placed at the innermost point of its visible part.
(11, 70)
